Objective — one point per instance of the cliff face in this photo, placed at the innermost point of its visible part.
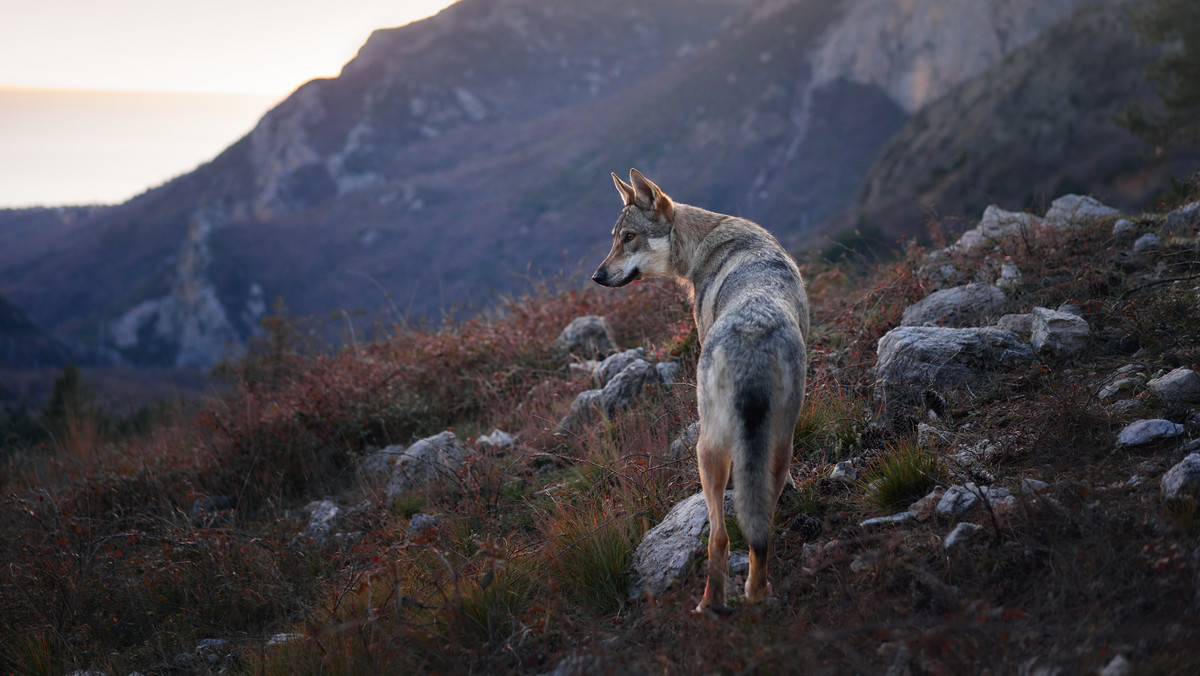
(1037, 124)
(464, 154)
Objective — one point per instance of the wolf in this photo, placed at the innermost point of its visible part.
(752, 319)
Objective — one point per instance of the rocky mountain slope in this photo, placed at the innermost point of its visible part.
(23, 344)
(997, 469)
(1037, 124)
(464, 155)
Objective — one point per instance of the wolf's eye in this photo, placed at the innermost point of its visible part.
(629, 236)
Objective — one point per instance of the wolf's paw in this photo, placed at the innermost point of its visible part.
(719, 611)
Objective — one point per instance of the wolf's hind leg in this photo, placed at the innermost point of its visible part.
(757, 587)
(715, 468)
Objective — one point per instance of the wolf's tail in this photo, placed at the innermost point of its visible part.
(752, 467)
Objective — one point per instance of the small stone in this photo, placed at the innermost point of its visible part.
(284, 639)
(1033, 486)
(685, 445)
(1010, 277)
(960, 534)
(1179, 386)
(1147, 242)
(864, 561)
(1142, 432)
(1183, 480)
(422, 524)
(844, 472)
(588, 337)
(1124, 230)
(957, 501)
(1180, 222)
(1122, 385)
(496, 441)
(1126, 407)
(926, 508)
(1075, 209)
(610, 367)
(1058, 333)
(887, 520)
(1117, 666)
(739, 562)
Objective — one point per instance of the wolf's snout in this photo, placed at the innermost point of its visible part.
(600, 275)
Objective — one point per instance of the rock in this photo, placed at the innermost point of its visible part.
(929, 436)
(1183, 480)
(1010, 277)
(1117, 666)
(669, 372)
(667, 551)
(926, 508)
(284, 639)
(961, 533)
(627, 386)
(685, 445)
(589, 337)
(1058, 333)
(844, 472)
(1124, 230)
(958, 500)
(1147, 242)
(739, 562)
(422, 524)
(913, 359)
(1075, 209)
(424, 462)
(864, 561)
(378, 465)
(887, 520)
(322, 517)
(582, 370)
(996, 224)
(1033, 486)
(1126, 407)
(496, 441)
(978, 453)
(1020, 324)
(1181, 386)
(587, 409)
(1142, 432)
(1182, 221)
(614, 364)
(212, 510)
(1123, 385)
(956, 306)
(1071, 309)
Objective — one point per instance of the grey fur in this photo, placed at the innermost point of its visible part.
(751, 315)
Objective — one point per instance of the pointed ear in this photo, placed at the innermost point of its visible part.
(651, 197)
(628, 194)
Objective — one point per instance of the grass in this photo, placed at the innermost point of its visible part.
(902, 475)
(101, 567)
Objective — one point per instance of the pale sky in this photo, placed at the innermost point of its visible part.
(228, 46)
(131, 130)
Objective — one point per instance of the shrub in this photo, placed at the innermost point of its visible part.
(903, 474)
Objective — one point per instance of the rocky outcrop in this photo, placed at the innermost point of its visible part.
(956, 307)
(913, 359)
(588, 337)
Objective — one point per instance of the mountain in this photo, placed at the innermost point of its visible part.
(1038, 124)
(24, 345)
(468, 154)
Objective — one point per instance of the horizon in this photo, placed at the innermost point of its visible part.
(235, 61)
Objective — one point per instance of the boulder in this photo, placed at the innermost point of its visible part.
(1147, 242)
(669, 372)
(587, 409)
(1058, 333)
(668, 551)
(913, 359)
(424, 462)
(1010, 277)
(627, 386)
(378, 465)
(610, 367)
(496, 441)
(1075, 209)
(1183, 480)
(588, 337)
(1020, 324)
(1181, 386)
(1124, 230)
(996, 224)
(1141, 432)
(957, 306)
(1183, 221)
(685, 445)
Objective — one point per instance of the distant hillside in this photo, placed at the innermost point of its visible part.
(469, 153)
(1038, 124)
(24, 345)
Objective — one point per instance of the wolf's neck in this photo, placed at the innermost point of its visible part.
(691, 226)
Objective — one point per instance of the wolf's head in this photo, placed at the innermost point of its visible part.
(641, 245)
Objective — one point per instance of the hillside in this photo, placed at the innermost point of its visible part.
(355, 512)
(1038, 124)
(457, 158)
(23, 344)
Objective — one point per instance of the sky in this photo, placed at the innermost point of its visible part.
(234, 58)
